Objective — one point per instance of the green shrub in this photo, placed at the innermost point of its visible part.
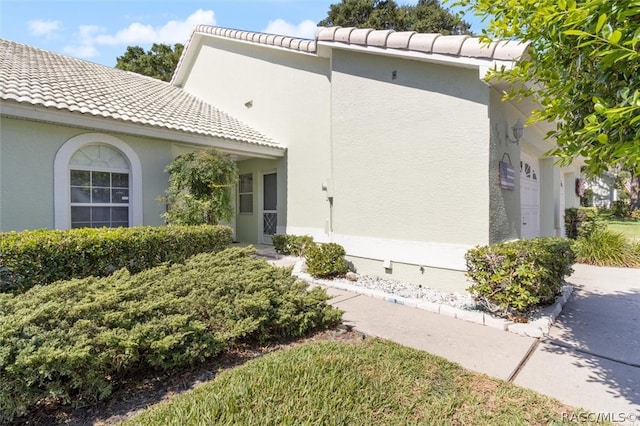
(513, 277)
(621, 208)
(326, 260)
(41, 257)
(582, 221)
(607, 248)
(73, 341)
(295, 245)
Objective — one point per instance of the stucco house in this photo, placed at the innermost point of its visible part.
(392, 144)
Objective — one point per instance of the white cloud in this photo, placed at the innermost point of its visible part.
(172, 32)
(89, 37)
(38, 27)
(85, 48)
(305, 29)
(81, 51)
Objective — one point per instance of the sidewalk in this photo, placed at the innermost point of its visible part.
(590, 359)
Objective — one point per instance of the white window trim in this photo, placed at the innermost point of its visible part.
(246, 193)
(61, 182)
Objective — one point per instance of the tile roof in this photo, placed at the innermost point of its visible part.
(453, 45)
(32, 76)
(300, 44)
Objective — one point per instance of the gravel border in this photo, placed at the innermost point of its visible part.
(455, 305)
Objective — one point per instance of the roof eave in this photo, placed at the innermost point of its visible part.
(54, 116)
(481, 64)
(264, 40)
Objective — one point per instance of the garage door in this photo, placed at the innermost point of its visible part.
(561, 207)
(529, 197)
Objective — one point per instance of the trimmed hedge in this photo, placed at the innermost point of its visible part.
(296, 245)
(513, 277)
(30, 258)
(73, 341)
(326, 260)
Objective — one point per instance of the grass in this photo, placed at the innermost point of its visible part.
(605, 247)
(628, 227)
(373, 382)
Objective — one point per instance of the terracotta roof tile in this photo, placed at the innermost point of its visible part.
(32, 76)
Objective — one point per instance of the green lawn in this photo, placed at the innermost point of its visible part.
(372, 382)
(628, 227)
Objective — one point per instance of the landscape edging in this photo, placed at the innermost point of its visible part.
(536, 328)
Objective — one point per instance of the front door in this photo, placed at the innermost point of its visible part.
(529, 197)
(269, 206)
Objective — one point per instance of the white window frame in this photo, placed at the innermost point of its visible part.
(90, 204)
(62, 180)
(240, 193)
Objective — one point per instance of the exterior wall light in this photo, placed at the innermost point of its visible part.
(518, 130)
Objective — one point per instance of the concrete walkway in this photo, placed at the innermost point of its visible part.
(590, 359)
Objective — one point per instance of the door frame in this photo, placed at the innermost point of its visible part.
(262, 237)
(534, 164)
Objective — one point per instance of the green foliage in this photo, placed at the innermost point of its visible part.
(514, 277)
(72, 342)
(587, 198)
(426, 16)
(200, 188)
(582, 221)
(604, 247)
(376, 382)
(583, 70)
(326, 260)
(295, 245)
(32, 258)
(621, 208)
(160, 62)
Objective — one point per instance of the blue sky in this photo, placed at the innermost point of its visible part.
(101, 30)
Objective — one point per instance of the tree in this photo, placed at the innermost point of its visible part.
(583, 70)
(160, 62)
(200, 188)
(425, 16)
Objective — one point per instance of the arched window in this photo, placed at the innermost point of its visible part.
(97, 183)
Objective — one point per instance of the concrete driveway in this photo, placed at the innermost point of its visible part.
(592, 354)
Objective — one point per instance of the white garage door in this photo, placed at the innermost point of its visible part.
(562, 207)
(529, 197)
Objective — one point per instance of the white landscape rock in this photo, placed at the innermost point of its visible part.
(455, 305)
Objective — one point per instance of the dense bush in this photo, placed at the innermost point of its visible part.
(604, 247)
(295, 245)
(41, 257)
(326, 260)
(582, 221)
(71, 342)
(513, 277)
(621, 208)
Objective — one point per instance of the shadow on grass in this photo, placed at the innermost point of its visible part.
(600, 329)
(140, 391)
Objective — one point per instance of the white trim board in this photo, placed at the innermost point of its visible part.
(422, 253)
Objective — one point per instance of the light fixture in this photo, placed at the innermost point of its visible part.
(518, 130)
(248, 104)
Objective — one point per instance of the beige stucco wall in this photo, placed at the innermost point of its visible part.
(504, 203)
(410, 153)
(289, 94)
(27, 155)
